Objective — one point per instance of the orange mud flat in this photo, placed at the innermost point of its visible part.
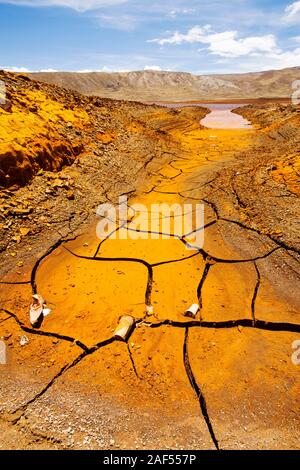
(221, 380)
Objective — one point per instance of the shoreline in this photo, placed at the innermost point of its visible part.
(228, 101)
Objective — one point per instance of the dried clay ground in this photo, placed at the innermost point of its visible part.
(224, 380)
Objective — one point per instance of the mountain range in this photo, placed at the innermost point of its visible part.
(151, 85)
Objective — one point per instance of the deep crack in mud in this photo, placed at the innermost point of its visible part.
(195, 386)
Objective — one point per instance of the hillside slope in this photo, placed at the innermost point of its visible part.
(44, 127)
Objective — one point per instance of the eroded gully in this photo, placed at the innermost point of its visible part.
(154, 273)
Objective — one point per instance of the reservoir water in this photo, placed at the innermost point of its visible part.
(222, 117)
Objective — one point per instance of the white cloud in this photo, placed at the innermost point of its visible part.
(25, 70)
(152, 67)
(78, 5)
(103, 69)
(15, 69)
(225, 44)
(195, 34)
(292, 12)
(239, 53)
(86, 71)
(180, 11)
(256, 63)
(285, 59)
(228, 44)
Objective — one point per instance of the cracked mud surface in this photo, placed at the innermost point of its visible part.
(220, 381)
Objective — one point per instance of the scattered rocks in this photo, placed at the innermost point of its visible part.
(21, 211)
(24, 340)
(71, 195)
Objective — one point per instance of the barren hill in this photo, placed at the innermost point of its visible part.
(155, 85)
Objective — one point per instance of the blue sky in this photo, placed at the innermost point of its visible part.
(214, 36)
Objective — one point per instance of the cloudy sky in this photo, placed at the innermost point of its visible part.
(213, 36)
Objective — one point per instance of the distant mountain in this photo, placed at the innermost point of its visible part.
(158, 86)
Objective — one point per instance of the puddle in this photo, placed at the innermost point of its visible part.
(222, 117)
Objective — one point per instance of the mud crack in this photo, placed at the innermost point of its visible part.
(197, 389)
(255, 293)
(15, 417)
(36, 332)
